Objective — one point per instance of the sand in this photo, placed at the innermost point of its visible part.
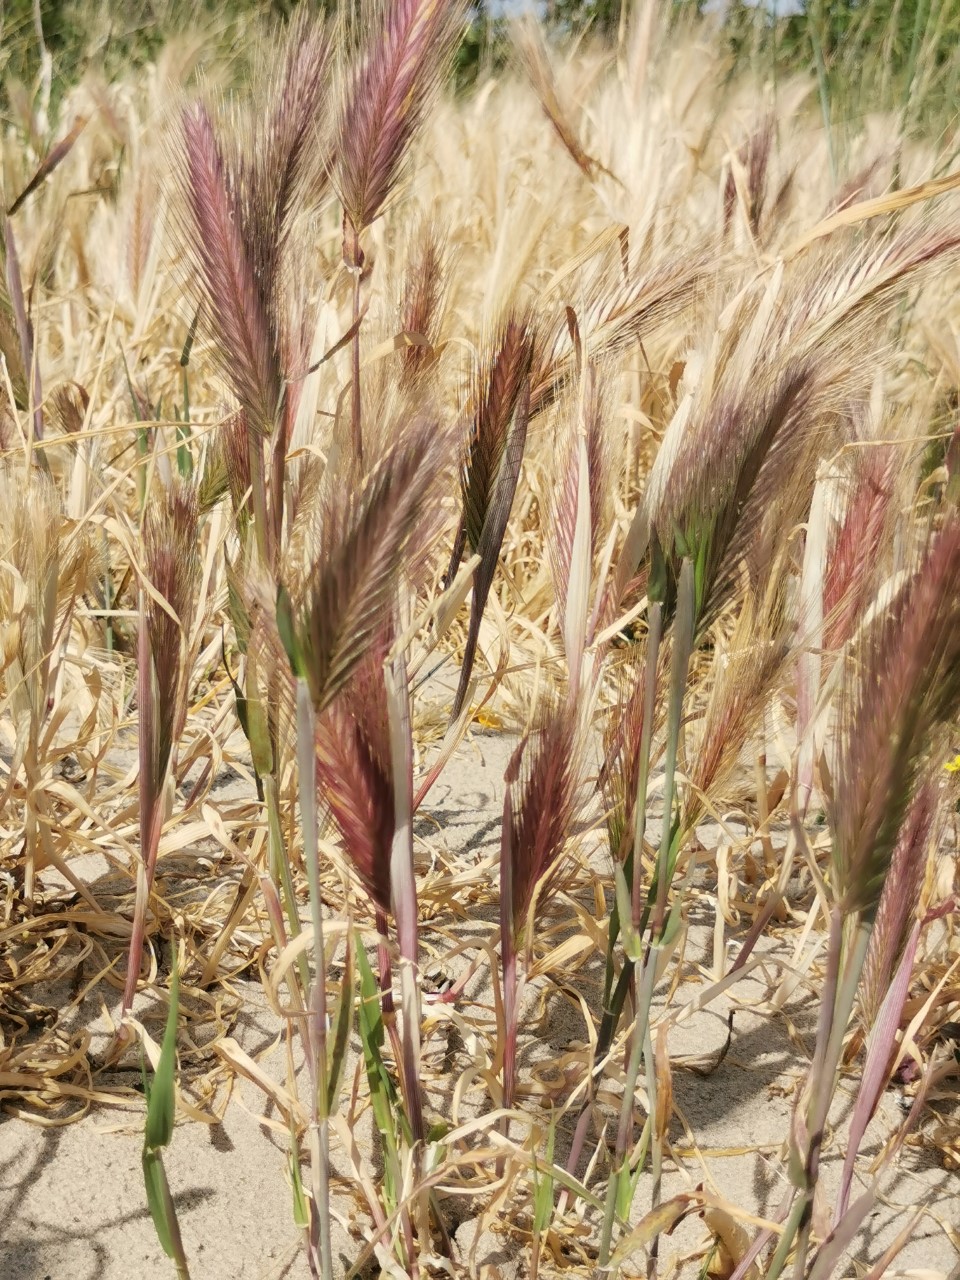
(72, 1204)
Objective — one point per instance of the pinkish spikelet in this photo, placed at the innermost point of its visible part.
(543, 808)
(280, 168)
(234, 441)
(718, 463)
(724, 481)
(898, 899)
(241, 205)
(498, 389)
(172, 564)
(69, 404)
(754, 156)
(289, 171)
(354, 773)
(751, 668)
(620, 772)
(858, 187)
(386, 100)
(907, 687)
(366, 541)
(564, 522)
(856, 548)
(599, 453)
(421, 306)
(589, 421)
(235, 301)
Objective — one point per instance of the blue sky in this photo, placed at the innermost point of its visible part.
(780, 7)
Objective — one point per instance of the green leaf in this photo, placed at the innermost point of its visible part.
(629, 1175)
(632, 941)
(658, 581)
(184, 454)
(158, 1197)
(258, 730)
(371, 1020)
(238, 694)
(236, 607)
(288, 632)
(130, 391)
(576, 1188)
(383, 1094)
(543, 1194)
(343, 1020)
(301, 1209)
(162, 1105)
(188, 346)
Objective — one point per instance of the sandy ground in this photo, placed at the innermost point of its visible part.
(72, 1205)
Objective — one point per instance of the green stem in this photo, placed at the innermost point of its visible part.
(921, 17)
(320, 1165)
(621, 1173)
(508, 956)
(843, 977)
(824, 1080)
(656, 1151)
(280, 872)
(824, 92)
(259, 493)
(353, 259)
(646, 737)
(683, 633)
(786, 1240)
(682, 649)
(613, 997)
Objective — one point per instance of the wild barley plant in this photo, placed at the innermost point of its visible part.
(734, 464)
(889, 967)
(500, 408)
(579, 538)
(385, 96)
(543, 781)
(242, 222)
(905, 691)
(165, 648)
(699, 526)
(28, 363)
(353, 715)
(835, 313)
(243, 201)
(423, 304)
(239, 226)
(846, 546)
(847, 537)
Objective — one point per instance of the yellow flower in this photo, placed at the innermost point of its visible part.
(953, 766)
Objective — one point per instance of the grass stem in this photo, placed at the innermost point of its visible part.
(317, 1021)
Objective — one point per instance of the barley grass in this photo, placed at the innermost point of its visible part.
(346, 418)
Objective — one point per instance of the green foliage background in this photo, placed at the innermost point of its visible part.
(866, 54)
